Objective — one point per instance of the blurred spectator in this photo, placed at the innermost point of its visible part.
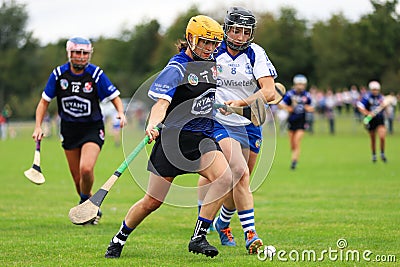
(391, 112)
(4, 121)
(355, 97)
(310, 118)
(321, 105)
(47, 125)
(330, 110)
(346, 99)
(282, 116)
(3, 127)
(339, 101)
(116, 130)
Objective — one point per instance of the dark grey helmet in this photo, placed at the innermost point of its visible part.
(239, 17)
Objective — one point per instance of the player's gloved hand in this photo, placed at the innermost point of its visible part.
(367, 119)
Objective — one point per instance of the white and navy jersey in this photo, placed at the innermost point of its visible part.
(371, 102)
(189, 86)
(237, 77)
(78, 95)
(297, 101)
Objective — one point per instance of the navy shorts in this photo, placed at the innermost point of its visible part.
(76, 134)
(298, 124)
(179, 152)
(375, 122)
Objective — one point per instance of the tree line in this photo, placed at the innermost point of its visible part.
(335, 53)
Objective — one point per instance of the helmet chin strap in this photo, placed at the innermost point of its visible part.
(79, 67)
(197, 57)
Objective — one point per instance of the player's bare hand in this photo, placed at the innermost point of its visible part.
(122, 119)
(223, 111)
(37, 134)
(152, 133)
(230, 103)
(234, 103)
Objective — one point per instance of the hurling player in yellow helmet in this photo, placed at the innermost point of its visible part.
(184, 94)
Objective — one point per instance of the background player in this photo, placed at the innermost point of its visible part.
(297, 102)
(78, 87)
(242, 65)
(372, 100)
(185, 93)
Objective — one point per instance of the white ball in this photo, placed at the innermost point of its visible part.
(270, 251)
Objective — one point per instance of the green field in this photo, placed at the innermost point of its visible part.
(336, 192)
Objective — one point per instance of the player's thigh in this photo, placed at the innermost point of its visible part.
(252, 160)
(291, 135)
(73, 158)
(158, 186)
(214, 166)
(89, 154)
(298, 135)
(233, 153)
(381, 130)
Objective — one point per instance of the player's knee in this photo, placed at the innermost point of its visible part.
(86, 171)
(226, 180)
(240, 172)
(150, 204)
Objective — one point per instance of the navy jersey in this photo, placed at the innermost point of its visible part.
(298, 101)
(189, 86)
(78, 95)
(370, 102)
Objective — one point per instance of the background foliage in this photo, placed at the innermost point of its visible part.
(335, 53)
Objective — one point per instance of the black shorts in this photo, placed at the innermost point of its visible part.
(298, 124)
(76, 134)
(375, 122)
(175, 153)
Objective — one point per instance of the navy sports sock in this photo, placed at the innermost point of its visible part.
(122, 234)
(202, 225)
(83, 198)
(293, 165)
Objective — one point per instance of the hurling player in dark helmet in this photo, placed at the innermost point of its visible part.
(245, 74)
(79, 86)
(297, 102)
(184, 92)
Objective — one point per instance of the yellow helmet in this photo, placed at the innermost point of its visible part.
(203, 27)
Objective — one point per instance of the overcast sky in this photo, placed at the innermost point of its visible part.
(51, 20)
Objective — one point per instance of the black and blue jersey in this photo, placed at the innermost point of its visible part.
(189, 86)
(298, 102)
(371, 102)
(78, 95)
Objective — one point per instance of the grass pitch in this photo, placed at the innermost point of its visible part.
(336, 193)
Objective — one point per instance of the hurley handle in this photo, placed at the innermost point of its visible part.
(135, 152)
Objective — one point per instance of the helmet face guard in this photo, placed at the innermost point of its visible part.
(203, 35)
(200, 46)
(299, 78)
(239, 21)
(82, 46)
(374, 85)
(299, 82)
